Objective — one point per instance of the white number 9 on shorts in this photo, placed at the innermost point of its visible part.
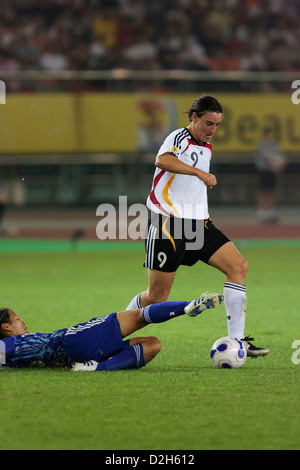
(162, 258)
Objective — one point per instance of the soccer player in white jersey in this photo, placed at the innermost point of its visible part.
(179, 196)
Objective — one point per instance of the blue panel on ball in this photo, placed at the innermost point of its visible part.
(212, 353)
(225, 365)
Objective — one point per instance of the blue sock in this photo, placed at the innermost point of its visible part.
(159, 313)
(131, 357)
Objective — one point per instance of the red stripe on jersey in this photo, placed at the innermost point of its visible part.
(208, 146)
(152, 194)
(192, 142)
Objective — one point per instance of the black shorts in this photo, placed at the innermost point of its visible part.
(172, 242)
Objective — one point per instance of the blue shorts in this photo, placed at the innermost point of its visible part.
(95, 340)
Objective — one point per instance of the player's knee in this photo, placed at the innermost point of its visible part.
(238, 271)
(151, 348)
(156, 346)
(244, 267)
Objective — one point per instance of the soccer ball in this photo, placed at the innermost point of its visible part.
(228, 353)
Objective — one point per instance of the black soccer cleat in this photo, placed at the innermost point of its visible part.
(254, 351)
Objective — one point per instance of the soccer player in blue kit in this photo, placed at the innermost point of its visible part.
(96, 345)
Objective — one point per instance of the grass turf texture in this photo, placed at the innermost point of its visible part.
(177, 402)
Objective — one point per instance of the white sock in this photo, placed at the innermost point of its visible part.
(236, 306)
(135, 303)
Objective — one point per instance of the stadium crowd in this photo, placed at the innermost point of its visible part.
(209, 35)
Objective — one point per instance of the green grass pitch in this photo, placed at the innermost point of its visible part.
(177, 402)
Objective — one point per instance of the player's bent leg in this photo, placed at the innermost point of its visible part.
(159, 287)
(133, 320)
(158, 291)
(136, 354)
(230, 262)
(151, 346)
(130, 321)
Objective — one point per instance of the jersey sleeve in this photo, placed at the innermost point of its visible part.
(170, 145)
(24, 350)
(9, 346)
(7, 350)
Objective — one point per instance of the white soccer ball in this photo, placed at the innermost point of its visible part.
(228, 353)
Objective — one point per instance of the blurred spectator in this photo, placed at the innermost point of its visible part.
(53, 58)
(270, 161)
(141, 52)
(160, 34)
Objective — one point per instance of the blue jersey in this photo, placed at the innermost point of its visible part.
(96, 340)
(35, 349)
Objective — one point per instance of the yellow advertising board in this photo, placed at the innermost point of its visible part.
(67, 123)
(244, 117)
(133, 122)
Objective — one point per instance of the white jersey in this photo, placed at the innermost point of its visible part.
(179, 195)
